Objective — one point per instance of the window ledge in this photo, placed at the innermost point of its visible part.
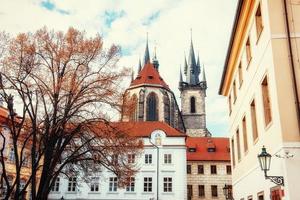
(97, 192)
(113, 192)
(71, 192)
(168, 193)
(130, 193)
(147, 193)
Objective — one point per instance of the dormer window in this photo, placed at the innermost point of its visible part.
(150, 77)
(211, 149)
(139, 77)
(192, 149)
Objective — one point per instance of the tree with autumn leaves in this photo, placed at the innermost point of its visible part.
(62, 85)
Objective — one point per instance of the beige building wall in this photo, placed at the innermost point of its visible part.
(207, 179)
(270, 57)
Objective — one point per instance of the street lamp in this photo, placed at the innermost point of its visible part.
(227, 190)
(157, 169)
(264, 159)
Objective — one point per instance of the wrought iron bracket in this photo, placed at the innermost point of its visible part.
(278, 180)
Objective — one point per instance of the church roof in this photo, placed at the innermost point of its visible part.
(141, 129)
(207, 149)
(149, 75)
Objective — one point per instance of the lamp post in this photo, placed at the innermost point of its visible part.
(157, 167)
(227, 190)
(264, 159)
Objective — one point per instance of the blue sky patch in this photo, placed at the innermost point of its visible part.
(111, 16)
(51, 6)
(151, 18)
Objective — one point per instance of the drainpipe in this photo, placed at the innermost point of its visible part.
(294, 80)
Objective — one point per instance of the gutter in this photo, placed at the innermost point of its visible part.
(233, 31)
(294, 80)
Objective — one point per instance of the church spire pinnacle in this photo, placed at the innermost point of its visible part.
(180, 76)
(185, 66)
(147, 55)
(140, 66)
(192, 76)
(155, 61)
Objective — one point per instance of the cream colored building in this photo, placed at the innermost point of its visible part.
(261, 80)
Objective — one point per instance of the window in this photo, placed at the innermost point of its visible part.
(11, 155)
(201, 191)
(131, 158)
(245, 134)
(260, 196)
(148, 158)
(167, 184)
(141, 105)
(248, 51)
(250, 198)
(188, 169)
(234, 91)
(26, 159)
(254, 121)
(131, 184)
(240, 74)
(190, 190)
(22, 184)
(266, 101)
(95, 184)
(113, 184)
(192, 149)
(193, 104)
(213, 169)
(232, 152)
(168, 158)
(258, 21)
(200, 169)
(55, 186)
(114, 159)
(72, 184)
(147, 184)
(229, 104)
(214, 191)
(152, 112)
(238, 144)
(228, 169)
(167, 110)
(133, 108)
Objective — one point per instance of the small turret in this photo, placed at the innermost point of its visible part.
(155, 61)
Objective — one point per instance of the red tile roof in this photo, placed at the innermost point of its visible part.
(149, 75)
(203, 143)
(142, 129)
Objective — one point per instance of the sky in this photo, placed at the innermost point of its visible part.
(126, 23)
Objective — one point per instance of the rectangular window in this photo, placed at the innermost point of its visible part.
(234, 91)
(201, 190)
(72, 184)
(238, 144)
(188, 169)
(190, 190)
(11, 155)
(55, 186)
(130, 185)
(113, 184)
(200, 169)
(254, 121)
(131, 158)
(167, 184)
(228, 169)
(114, 159)
(248, 51)
(214, 191)
(260, 196)
(213, 169)
(94, 184)
(168, 158)
(232, 152)
(148, 158)
(266, 101)
(240, 74)
(245, 134)
(258, 21)
(230, 104)
(147, 184)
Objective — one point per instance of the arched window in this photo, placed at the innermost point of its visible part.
(166, 108)
(141, 105)
(193, 105)
(133, 108)
(152, 112)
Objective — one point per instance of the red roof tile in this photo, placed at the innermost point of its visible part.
(143, 129)
(149, 75)
(203, 143)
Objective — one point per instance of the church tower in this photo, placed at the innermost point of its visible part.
(193, 93)
(151, 97)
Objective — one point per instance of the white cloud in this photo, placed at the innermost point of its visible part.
(211, 22)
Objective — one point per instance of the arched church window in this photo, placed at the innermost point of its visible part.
(141, 105)
(152, 112)
(172, 112)
(166, 108)
(193, 105)
(133, 108)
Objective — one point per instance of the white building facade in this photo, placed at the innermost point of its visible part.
(163, 176)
